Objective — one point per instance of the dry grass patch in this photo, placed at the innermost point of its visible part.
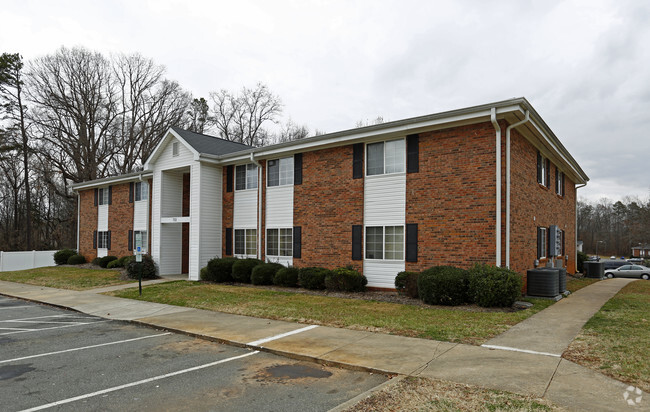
(574, 284)
(421, 394)
(66, 277)
(446, 324)
(615, 340)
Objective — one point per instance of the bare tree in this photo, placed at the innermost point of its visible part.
(239, 118)
(291, 131)
(198, 114)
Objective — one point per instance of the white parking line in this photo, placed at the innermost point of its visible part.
(282, 335)
(84, 347)
(128, 385)
(17, 329)
(38, 317)
(55, 327)
(16, 307)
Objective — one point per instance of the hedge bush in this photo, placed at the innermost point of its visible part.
(219, 270)
(406, 284)
(147, 266)
(76, 260)
(312, 277)
(96, 261)
(582, 257)
(104, 261)
(346, 280)
(114, 264)
(61, 257)
(263, 274)
(444, 285)
(242, 269)
(287, 277)
(492, 286)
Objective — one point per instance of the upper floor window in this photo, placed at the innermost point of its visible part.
(141, 191)
(543, 170)
(280, 172)
(102, 199)
(559, 183)
(246, 177)
(386, 157)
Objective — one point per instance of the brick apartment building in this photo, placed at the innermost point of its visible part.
(489, 183)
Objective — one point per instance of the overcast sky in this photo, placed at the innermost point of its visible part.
(583, 65)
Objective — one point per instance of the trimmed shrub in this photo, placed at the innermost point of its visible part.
(264, 273)
(242, 269)
(114, 264)
(406, 284)
(444, 285)
(76, 260)
(287, 277)
(346, 280)
(219, 270)
(103, 262)
(127, 259)
(582, 257)
(494, 286)
(147, 266)
(312, 278)
(61, 257)
(96, 261)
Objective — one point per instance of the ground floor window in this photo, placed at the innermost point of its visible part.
(542, 242)
(102, 240)
(385, 242)
(279, 242)
(246, 242)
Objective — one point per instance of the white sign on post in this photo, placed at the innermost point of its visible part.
(138, 247)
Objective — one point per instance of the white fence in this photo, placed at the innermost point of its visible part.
(26, 260)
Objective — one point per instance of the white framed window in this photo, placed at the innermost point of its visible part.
(385, 242)
(280, 172)
(246, 242)
(279, 242)
(142, 235)
(175, 150)
(246, 177)
(103, 196)
(542, 243)
(102, 240)
(386, 157)
(543, 170)
(559, 183)
(141, 191)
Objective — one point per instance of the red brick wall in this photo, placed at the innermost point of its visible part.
(227, 209)
(87, 223)
(326, 205)
(120, 220)
(533, 205)
(452, 197)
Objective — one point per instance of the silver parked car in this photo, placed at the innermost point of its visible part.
(629, 271)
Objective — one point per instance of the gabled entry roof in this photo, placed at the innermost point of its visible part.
(204, 143)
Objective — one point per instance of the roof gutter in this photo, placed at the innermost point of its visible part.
(493, 119)
(512, 126)
(259, 204)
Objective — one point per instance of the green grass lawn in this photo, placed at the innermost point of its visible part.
(574, 284)
(615, 341)
(65, 277)
(453, 325)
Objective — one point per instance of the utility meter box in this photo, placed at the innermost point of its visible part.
(554, 241)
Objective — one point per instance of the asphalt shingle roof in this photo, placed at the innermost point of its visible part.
(204, 143)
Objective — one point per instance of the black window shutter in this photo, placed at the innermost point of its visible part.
(356, 242)
(412, 153)
(229, 178)
(548, 173)
(96, 195)
(130, 240)
(412, 242)
(539, 167)
(557, 185)
(95, 238)
(110, 195)
(131, 186)
(562, 182)
(297, 242)
(228, 241)
(357, 161)
(108, 246)
(297, 169)
(539, 243)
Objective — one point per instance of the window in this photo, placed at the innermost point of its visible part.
(103, 196)
(102, 240)
(141, 191)
(542, 242)
(280, 172)
(175, 151)
(279, 242)
(543, 170)
(385, 242)
(386, 157)
(141, 236)
(559, 183)
(246, 242)
(246, 177)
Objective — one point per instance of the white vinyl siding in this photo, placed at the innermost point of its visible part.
(245, 209)
(385, 200)
(206, 215)
(141, 215)
(279, 220)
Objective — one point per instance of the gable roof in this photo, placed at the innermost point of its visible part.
(207, 144)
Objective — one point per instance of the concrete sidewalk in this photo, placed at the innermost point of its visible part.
(549, 376)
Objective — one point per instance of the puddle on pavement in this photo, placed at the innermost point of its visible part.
(14, 371)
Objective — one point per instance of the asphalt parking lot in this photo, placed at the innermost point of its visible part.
(62, 360)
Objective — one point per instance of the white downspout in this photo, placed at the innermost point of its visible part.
(575, 240)
(493, 118)
(259, 205)
(512, 126)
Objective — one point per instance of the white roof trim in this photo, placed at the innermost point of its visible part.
(156, 152)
